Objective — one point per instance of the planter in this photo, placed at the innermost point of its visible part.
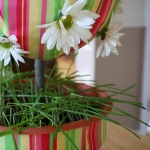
(89, 135)
(86, 135)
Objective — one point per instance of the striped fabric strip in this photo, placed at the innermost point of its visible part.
(103, 132)
(23, 142)
(2, 26)
(51, 142)
(90, 137)
(78, 138)
(45, 141)
(26, 24)
(22, 16)
(10, 143)
(32, 142)
(73, 138)
(61, 141)
(55, 144)
(2, 143)
(3, 29)
(83, 138)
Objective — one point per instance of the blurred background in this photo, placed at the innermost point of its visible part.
(132, 66)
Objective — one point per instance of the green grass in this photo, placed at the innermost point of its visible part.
(21, 107)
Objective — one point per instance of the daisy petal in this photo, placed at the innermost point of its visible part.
(112, 42)
(52, 40)
(64, 31)
(79, 5)
(99, 50)
(59, 43)
(17, 57)
(84, 21)
(108, 51)
(46, 25)
(21, 51)
(65, 6)
(70, 40)
(76, 47)
(47, 34)
(74, 36)
(13, 39)
(66, 49)
(103, 54)
(6, 61)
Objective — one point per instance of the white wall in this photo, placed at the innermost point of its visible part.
(137, 14)
(133, 15)
(85, 63)
(145, 114)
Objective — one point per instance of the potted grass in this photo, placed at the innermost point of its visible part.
(55, 124)
(48, 111)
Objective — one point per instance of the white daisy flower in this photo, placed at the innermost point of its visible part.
(73, 25)
(8, 47)
(110, 39)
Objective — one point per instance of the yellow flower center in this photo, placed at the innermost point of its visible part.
(7, 45)
(67, 22)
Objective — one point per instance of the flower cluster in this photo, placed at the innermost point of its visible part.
(72, 27)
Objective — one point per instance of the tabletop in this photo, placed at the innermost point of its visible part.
(119, 138)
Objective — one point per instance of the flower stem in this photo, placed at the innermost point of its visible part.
(1, 100)
(39, 76)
